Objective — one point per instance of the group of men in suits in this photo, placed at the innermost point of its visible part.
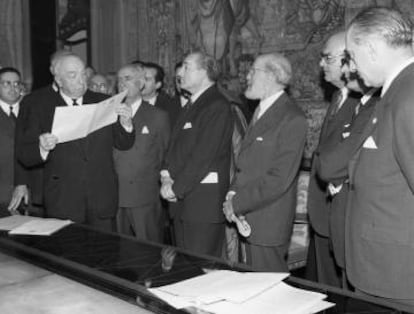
(362, 180)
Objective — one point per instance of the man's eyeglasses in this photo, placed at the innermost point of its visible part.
(253, 70)
(10, 84)
(330, 59)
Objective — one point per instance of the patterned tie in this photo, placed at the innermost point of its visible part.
(12, 115)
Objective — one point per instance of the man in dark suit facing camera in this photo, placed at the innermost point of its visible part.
(197, 166)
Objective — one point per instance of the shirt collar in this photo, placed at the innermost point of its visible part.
(135, 106)
(6, 107)
(267, 102)
(152, 100)
(394, 74)
(367, 96)
(69, 101)
(195, 96)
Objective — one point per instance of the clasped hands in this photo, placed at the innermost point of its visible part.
(166, 191)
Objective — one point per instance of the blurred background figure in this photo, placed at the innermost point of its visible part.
(99, 84)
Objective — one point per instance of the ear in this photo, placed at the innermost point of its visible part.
(158, 85)
(58, 81)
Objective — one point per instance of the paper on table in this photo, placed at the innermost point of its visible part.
(45, 226)
(74, 122)
(11, 222)
(281, 299)
(220, 285)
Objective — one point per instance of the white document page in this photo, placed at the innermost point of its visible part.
(224, 285)
(11, 222)
(74, 122)
(45, 226)
(281, 299)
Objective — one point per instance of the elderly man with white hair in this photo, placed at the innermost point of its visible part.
(263, 192)
(80, 182)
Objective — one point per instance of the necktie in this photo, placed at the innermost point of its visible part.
(12, 115)
(255, 115)
(188, 104)
(74, 103)
(336, 104)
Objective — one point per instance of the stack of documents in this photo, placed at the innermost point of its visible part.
(27, 225)
(228, 292)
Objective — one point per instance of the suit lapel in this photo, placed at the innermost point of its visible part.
(7, 124)
(271, 117)
(141, 116)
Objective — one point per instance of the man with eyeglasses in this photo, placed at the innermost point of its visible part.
(332, 159)
(321, 264)
(263, 190)
(98, 84)
(13, 178)
(196, 170)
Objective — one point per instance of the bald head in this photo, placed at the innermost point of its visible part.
(70, 75)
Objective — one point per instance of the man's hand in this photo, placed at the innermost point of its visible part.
(125, 116)
(228, 210)
(166, 191)
(20, 193)
(47, 142)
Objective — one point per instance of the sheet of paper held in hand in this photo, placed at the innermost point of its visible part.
(74, 122)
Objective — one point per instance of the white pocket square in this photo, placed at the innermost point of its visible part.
(145, 130)
(370, 143)
(187, 125)
(346, 134)
(259, 139)
(211, 177)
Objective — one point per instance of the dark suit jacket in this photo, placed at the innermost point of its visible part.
(33, 176)
(331, 164)
(267, 169)
(380, 215)
(169, 105)
(331, 132)
(7, 127)
(78, 174)
(201, 144)
(139, 168)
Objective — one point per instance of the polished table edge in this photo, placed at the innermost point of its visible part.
(133, 292)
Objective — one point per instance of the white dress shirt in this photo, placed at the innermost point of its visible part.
(6, 108)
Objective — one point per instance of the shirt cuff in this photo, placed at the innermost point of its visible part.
(165, 173)
(43, 153)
